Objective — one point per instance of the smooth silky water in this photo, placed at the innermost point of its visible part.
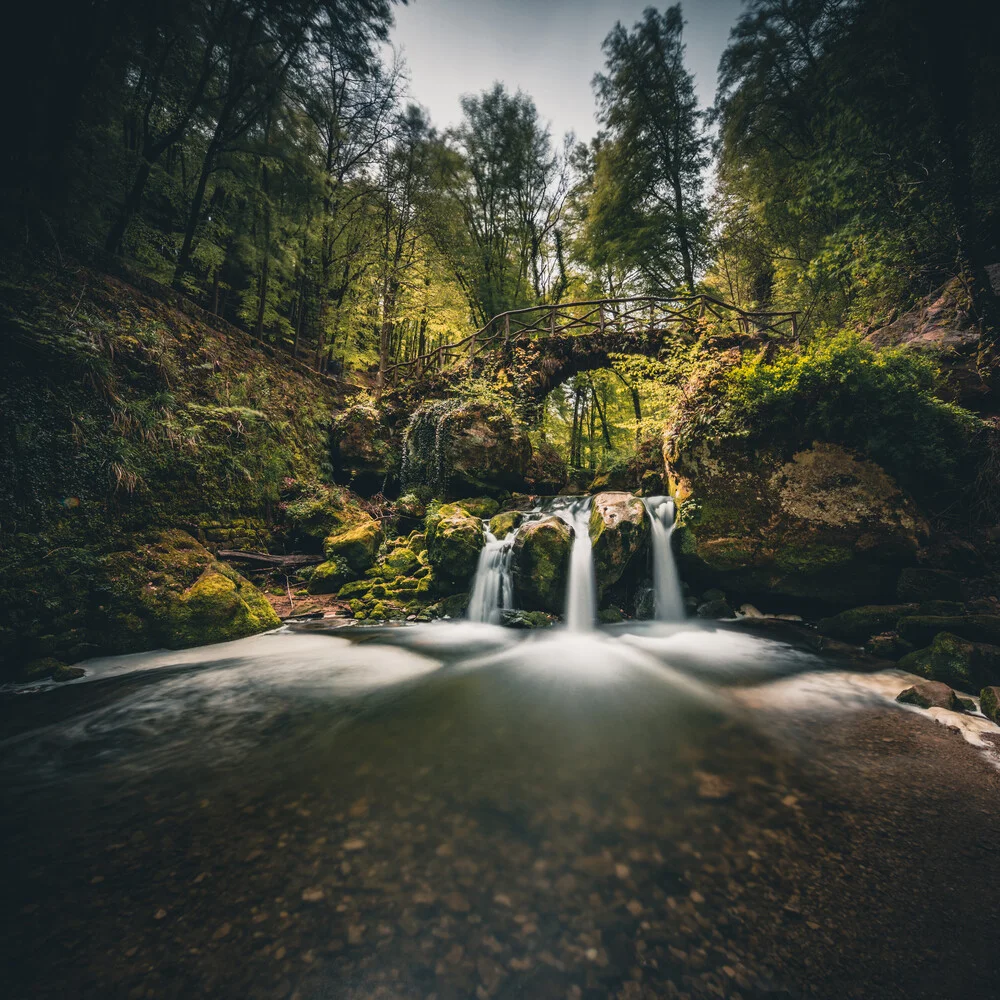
(450, 810)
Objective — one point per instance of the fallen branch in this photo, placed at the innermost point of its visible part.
(267, 559)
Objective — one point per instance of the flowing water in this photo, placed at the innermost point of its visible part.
(460, 810)
(493, 584)
(669, 600)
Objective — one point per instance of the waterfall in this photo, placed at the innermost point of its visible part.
(493, 584)
(581, 588)
(666, 583)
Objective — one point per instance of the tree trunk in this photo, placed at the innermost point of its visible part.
(184, 260)
(113, 244)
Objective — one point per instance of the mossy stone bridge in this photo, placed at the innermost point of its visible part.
(555, 342)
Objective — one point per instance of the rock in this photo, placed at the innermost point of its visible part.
(922, 584)
(953, 660)
(713, 594)
(314, 511)
(328, 577)
(525, 619)
(826, 526)
(355, 546)
(920, 629)
(546, 472)
(609, 616)
(950, 552)
(858, 624)
(455, 447)
(64, 673)
(749, 611)
(651, 484)
(715, 609)
(888, 646)
(989, 703)
(454, 540)
(541, 564)
(362, 448)
(930, 694)
(482, 507)
(942, 609)
(501, 525)
(619, 531)
(41, 669)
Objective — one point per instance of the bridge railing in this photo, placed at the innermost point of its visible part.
(643, 317)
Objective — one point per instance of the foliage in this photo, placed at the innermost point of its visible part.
(881, 403)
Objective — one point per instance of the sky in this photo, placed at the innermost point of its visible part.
(550, 49)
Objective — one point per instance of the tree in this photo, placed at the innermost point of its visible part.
(647, 208)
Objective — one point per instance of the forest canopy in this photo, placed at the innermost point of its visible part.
(264, 158)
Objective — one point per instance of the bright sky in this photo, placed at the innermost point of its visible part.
(550, 49)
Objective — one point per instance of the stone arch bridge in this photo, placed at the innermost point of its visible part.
(548, 344)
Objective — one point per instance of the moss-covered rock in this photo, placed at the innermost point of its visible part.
(315, 511)
(989, 703)
(328, 577)
(526, 619)
(461, 447)
(858, 624)
(920, 629)
(356, 546)
(454, 540)
(363, 448)
(825, 526)
(919, 583)
(888, 646)
(481, 507)
(501, 525)
(953, 660)
(541, 565)
(65, 673)
(619, 531)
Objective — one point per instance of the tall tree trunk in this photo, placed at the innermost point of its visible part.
(113, 244)
(194, 213)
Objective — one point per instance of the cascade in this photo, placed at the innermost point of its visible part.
(581, 588)
(669, 602)
(493, 584)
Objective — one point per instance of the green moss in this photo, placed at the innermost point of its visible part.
(329, 577)
(541, 564)
(989, 703)
(356, 546)
(454, 540)
(481, 507)
(859, 624)
(501, 525)
(955, 661)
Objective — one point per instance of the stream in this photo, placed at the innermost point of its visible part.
(457, 809)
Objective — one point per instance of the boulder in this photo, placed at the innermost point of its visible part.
(858, 624)
(501, 525)
(328, 577)
(888, 646)
(953, 660)
(826, 526)
(481, 507)
(362, 448)
(546, 473)
(455, 447)
(989, 703)
(930, 694)
(918, 583)
(355, 546)
(525, 619)
(454, 540)
(314, 511)
(541, 565)
(65, 673)
(619, 531)
(715, 609)
(920, 629)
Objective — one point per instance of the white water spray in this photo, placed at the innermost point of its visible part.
(666, 583)
(493, 584)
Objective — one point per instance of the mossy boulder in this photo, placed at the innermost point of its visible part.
(989, 703)
(356, 546)
(460, 447)
(363, 448)
(888, 646)
(619, 531)
(481, 507)
(526, 619)
(919, 583)
(501, 525)
(920, 629)
(953, 660)
(454, 540)
(314, 511)
(541, 565)
(825, 526)
(328, 577)
(858, 624)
